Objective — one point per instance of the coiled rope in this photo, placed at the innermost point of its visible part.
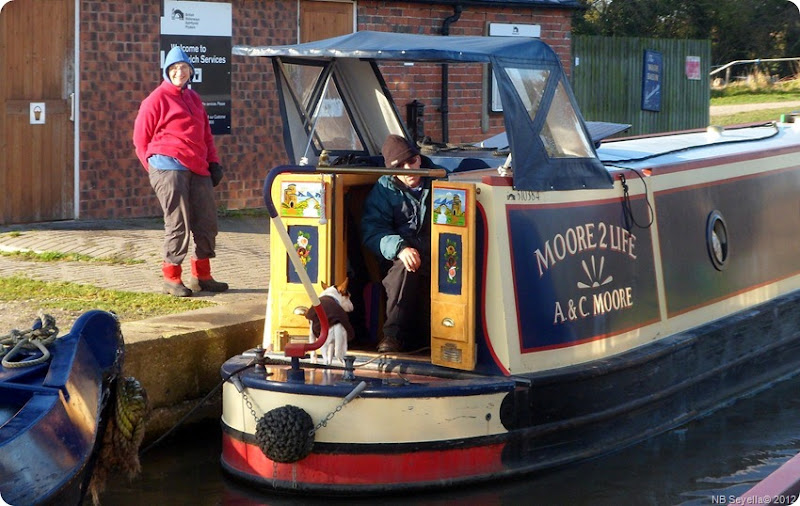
(43, 332)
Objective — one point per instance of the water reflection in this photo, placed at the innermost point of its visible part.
(722, 454)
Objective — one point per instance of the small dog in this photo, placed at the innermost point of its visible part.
(335, 301)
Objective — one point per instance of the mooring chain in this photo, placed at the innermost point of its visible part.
(41, 335)
(324, 421)
(349, 397)
(249, 405)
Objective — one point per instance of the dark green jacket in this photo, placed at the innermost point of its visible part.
(394, 218)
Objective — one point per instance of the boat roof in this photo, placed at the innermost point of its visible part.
(665, 150)
(404, 46)
(598, 131)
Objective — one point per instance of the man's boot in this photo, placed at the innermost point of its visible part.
(201, 277)
(172, 280)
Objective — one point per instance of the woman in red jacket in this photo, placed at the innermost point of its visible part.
(173, 141)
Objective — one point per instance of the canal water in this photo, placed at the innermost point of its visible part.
(704, 462)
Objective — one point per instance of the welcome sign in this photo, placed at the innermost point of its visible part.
(204, 30)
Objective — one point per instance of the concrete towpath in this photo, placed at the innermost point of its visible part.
(724, 110)
(242, 256)
(177, 357)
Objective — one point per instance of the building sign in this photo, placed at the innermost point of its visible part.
(652, 72)
(37, 113)
(693, 68)
(508, 30)
(203, 30)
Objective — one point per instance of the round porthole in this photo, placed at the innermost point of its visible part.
(717, 240)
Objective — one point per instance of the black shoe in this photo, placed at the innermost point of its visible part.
(177, 289)
(390, 344)
(208, 285)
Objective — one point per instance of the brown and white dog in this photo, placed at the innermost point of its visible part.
(336, 303)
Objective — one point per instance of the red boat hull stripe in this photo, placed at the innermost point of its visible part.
(368, 468)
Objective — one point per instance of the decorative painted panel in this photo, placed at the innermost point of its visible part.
(306, 244)
(301, 199)
(449, 207)
(450, 260)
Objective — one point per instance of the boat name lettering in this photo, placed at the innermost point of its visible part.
(581, 238)
(598, 304)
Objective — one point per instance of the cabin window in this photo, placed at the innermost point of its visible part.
(334, 127)
(302, 79)
(328, 118)
(562, 133)
(530, 84)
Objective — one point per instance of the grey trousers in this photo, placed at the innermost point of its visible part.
(188, 204)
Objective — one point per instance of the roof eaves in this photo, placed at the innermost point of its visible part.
(533, 4)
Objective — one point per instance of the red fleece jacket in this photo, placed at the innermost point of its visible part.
(173, 122)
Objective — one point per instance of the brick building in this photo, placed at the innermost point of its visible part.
(92, 62)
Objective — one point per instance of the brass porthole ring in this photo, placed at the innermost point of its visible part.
(717, 240)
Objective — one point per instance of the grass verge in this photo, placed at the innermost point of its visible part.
(76, 297)
(55, 256)
(756, 97)
(740, 118)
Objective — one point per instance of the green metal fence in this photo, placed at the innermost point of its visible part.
(608, 81)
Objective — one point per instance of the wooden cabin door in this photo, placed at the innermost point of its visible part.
(303, 203)
(325, 19)
(37, 74)
(453, 275)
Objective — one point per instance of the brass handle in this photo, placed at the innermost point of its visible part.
(300, 310)
(448, 322)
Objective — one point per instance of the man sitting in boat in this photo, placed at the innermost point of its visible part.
(395, 227)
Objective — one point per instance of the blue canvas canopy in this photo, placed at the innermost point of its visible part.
(409, 47)
(534, 131)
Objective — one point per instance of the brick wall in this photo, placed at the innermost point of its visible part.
(119, 66)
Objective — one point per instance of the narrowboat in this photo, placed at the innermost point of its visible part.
(586, 292)
(54, 396)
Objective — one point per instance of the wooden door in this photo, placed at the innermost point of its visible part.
(37, 42)
(303, 203)
(325, 19)
(453, 275)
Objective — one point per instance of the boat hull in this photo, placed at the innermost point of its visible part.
(546, 419)
(372, 470)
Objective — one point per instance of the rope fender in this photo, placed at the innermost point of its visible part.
(128, 410)
(285, 434)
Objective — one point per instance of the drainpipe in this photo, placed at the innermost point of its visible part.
(457, 9)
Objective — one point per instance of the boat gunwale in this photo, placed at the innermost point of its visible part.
(377, 388)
